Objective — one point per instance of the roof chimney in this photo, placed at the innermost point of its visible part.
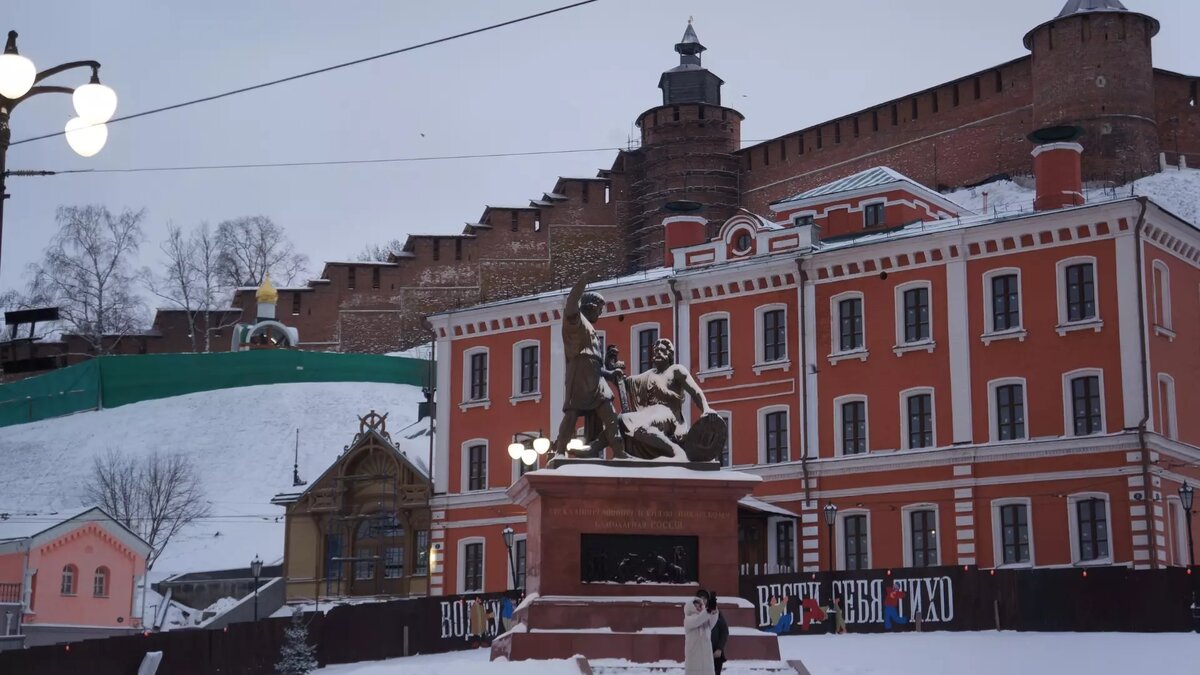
(681, 231)
(1057, 169)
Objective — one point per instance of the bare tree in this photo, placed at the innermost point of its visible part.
(156, 495)
(87, 271)
(381, 252)
(12, 300)
(252, 247)
(190, 281)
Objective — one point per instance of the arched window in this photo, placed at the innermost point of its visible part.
(69, 574)
(380, 537)
(100, 583)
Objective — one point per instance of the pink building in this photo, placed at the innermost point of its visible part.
(68, 578)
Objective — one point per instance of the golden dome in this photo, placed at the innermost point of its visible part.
(266, 292)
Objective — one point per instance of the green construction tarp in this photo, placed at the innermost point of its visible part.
(111, 381)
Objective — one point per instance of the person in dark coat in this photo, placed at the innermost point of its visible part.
(720, 635)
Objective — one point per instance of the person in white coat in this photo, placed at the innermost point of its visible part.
(697, 642)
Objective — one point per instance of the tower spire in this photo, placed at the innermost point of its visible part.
(690, 82)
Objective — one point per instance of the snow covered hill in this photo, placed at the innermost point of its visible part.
(242, 440)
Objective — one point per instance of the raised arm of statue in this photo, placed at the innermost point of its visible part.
(690, 385)
(571, 306)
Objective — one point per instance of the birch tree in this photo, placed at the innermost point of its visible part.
(252, 247)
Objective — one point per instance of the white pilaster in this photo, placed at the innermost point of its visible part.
(812, 436)
(446, 365)
(1128, 331)
(958, 325)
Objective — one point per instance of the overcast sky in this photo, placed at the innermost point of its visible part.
(572, 80)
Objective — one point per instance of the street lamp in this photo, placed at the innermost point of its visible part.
(1185, 498)
(830, 518)
(94, 104)
(508, 543)
(256, 571)
(528, 454)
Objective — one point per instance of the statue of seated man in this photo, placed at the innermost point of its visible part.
(656, 427)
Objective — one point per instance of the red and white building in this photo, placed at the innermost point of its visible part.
(967, 390)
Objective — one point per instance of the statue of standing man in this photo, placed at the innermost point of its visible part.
(587, 392)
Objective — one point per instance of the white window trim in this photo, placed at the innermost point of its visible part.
(993, 428)
(906, 530)
(839, 533)
(631, 362)
(837, 422)
(511, 561)
(990, 334)
(862, 206)
(835, 329)
(467, 401)
(760, 364)
(773, 542)
(1168, 412)
(1060, 286)
(904, 431)
(732, 238)
(901, 347)
(727, 415)
(465, 464)
(1069, 408)
(726, 370)
(1177, 526)
(998, 532)
(461, 565)
(1162, 324)
(1073, 522)
(762, 433)
(517, 394)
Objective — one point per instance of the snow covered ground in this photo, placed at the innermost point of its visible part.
(242, 440)
(986, 653)
(1178, 191)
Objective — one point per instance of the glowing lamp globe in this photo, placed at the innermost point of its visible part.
(16, 75)
(515, 450)
(576, 444)
(94, 102)
(529, 456)
(541, 445)
(86, 138)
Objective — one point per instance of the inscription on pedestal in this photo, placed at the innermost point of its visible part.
(639, 559)
(630, 518)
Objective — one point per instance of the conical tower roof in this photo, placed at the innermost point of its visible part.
(266, 292)
(1077, 7)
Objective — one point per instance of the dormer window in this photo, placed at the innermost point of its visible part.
(801, 221)
(873, 215)
(741, 242)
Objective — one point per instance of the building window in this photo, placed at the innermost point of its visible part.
(782, 149)
(364, 566)
(473, 567)
(999, 82)
(646, 338)
(856, 126)
(954, 94)
(437, 249)
(393, 562)
(1168, 423)
(1010, 412)
(458, 247)
(529, 369)
(1014, 534)
(916, 314)
(920, 420)
(520, 555)
(100, 583)
(1006, 302)
(1085, 405)
(933, 99)
(69, 576)
(375, 278)
(837, 132)
(774, 335)
(333, 566)
(766, 155)
(800, 143)
(585, 185)
(776, 436)
(873, 215)
(785, 541)
(820, 138)
(1081, 292)
(514, 225)
(806, 220)
(1162, 295)
(421, 541)
(479, 376)
(895, 114)
(923, 537)
(295, 303)
(854, 542)
(351, 274)
(854, 427)
(850, 324)
(979, 85)
(915, 110)
(874, 120)
(1092, 524)
(718, 343)
(477, 467)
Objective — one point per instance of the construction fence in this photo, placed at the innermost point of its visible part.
(112, 381)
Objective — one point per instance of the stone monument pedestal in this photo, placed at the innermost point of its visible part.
(614, 553)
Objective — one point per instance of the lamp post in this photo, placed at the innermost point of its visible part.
(256, 572)
(830, 518)
(94, 104)
(1185, 498)
(508, 543)
(528, 447)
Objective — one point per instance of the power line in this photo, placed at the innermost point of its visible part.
(326, 69)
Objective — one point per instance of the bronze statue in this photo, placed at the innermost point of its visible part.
(587, 392)
(655, 427)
